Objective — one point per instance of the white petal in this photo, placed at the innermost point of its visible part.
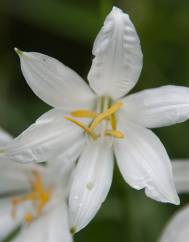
(62, 166)
(144, 163)
(181, 175)
(7, 223)
(4, 137)
(14, 177)
(52, 227)
(54, 82)
(92, 181)
(159, 106)
(177, 230)
(50, 135)
(118, 56)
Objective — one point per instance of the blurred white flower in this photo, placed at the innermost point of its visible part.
(181, 175)
(177, 229)
(33, 197)
(94, 123)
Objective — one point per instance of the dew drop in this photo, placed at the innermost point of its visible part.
(89, 185)
(80, 205)
(76, 197)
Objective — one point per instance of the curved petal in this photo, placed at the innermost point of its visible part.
(4, 138)
(91, 182)
(144, 163)
(118, 57)
(177, 230)
(55, 83)
(49, 136)
(181, 175)
(158, 107)
(52, 227)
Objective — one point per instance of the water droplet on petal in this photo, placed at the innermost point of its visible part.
(76, 197)
(80, 205)
(90, 185)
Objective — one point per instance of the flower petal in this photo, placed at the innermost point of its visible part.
(177, 230)
(14, 176)
(181, 175)
(118, 56)
(51, 227)
(7, 222)
(49, 136)
(55, 83)
(158, 107)
(4, 138)
(91, 183)
(61, 168)
(144, 163)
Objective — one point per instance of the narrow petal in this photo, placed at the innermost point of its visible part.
(51, 227)
(177, 230)
(4, 138)
(158, 107)
(92, 181)
(181, 175)
(49, 136)
(7, 222)
(54, 82)
(118, 57)
(144, 163)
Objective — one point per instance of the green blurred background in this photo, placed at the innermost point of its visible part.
(65, 29)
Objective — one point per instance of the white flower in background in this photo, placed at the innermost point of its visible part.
(181, 175)
(177, 229)
(33, 197)
(93, 123)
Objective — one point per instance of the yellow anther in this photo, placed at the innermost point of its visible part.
(39, 196)
(17, 201)
(28, 217)
(113, 121)
(87, 130)
(114, 108)
(114, 133)
(42, 196)
(84, 114)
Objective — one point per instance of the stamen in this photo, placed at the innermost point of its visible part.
(43, 195)
(28, 217)
(113, 122)
(114, 108)
(84, 114)
(40, 196)
(114, 133)
(87, 130)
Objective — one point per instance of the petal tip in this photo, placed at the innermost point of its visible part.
(118, 10)
(73, 230)
(177, 201)
(18, 51)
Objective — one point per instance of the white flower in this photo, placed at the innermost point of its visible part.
(96, 122)
(177, 229)
(33, 197)
(181, 175)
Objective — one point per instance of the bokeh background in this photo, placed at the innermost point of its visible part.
(65, 29)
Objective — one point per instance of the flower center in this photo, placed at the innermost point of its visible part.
(105, 112)
(39, 196)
